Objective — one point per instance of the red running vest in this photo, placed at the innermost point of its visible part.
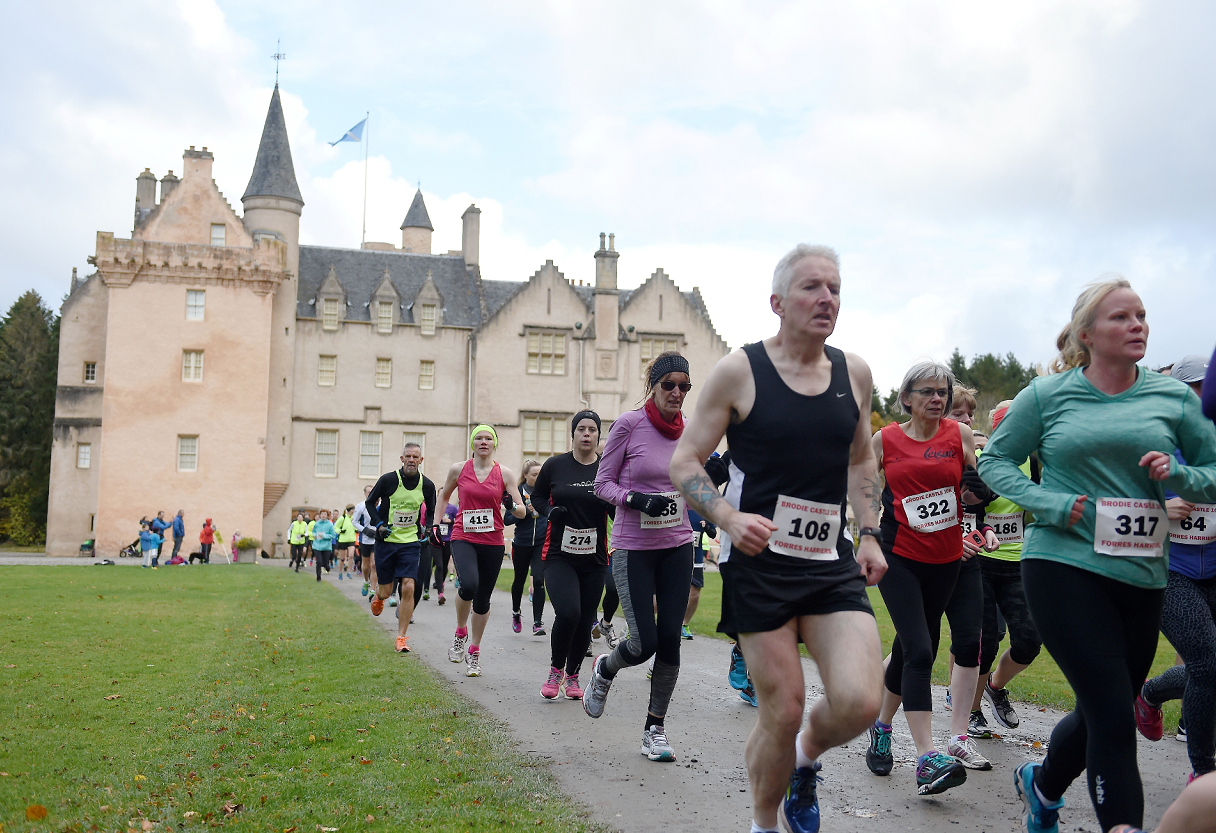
(477, 495)
(918, 468)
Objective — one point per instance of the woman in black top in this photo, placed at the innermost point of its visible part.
(526, 553)
(575, 554)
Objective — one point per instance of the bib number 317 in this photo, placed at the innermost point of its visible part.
(1130, 526)
(805, 529)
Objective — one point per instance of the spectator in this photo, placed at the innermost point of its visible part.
(206, 539)
(159, 525)
(236, 554)
(179, 532)
(148, 542)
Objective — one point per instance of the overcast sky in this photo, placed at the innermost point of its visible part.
(974, 164)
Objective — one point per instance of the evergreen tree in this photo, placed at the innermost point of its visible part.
(996, 379)
(29, 358)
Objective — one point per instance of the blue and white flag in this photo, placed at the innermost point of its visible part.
(355, 134)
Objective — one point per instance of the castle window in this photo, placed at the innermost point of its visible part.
(90, 373)
(187, 453)
(427, 319)
(547, 353)
(196, 304)
(384, 316)
(84, 455)
(369, 453)
(426, 375)
(384, 373)
(192, 365)
(219, 233)
(327, 371)
(651, 347)
(326, 453)
(329, 314)
(544, 436)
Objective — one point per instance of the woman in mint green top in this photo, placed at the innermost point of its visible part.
(1094, 560)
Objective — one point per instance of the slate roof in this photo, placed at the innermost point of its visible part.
(417, 217)
(274, 175)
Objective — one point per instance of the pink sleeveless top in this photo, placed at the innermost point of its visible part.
(480, 505)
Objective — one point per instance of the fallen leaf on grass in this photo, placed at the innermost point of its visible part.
(231, 809)
(141, 778)
(370, 819)
(327, 829)
(10, 666)
(363, 760)
(291, 829)
(145, 825)
(112, 696)
(189, 814)
(5, 775)
(35, 812)
(312, 737)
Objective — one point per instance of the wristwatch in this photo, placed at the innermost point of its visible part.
(872, 531)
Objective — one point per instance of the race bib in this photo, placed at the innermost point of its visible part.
(805, 529)
(932, 511)
(673, 516)
(1198, 528)
(403, 518)
(967, 523)
(477, 520)
(1130, 526)
(579, 541)
(1008, 527)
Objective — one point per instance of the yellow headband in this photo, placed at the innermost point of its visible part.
(478, 430)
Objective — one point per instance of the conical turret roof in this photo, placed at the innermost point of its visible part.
(417, 217)
(273, 172)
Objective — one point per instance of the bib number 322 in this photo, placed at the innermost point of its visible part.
(805, 529)
(932, 511)
(1130, 526)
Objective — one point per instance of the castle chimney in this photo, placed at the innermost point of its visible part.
(72, 291)
(605, 264)
(197, 163)
(167, 183)
(145, 195)
(607, 308)
(470, 238)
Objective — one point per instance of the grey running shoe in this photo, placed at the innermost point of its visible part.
(963, 750)
(977, 725)
(878, 756)
(456, 652)
(650, 669)
(655, 745)
(595, 696)
(1002, 709)
(609, 633)
(472, 663)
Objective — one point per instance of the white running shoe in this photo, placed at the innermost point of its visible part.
(456, 652)
(609, 633)
(963, 750)
(655, 745)
(595, 696)
(472, 662)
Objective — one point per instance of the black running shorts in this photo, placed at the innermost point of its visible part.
(757, 601)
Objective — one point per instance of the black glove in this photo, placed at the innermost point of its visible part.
(508, 502)
(557, 515)
(652, 505)
(436, 537)
(382, 532)
(972, 482)
(717, 469)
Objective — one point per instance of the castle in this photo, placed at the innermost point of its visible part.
(291, 375)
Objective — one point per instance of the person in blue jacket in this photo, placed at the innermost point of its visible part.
(148, 542)
(179, 532)
(323, 537)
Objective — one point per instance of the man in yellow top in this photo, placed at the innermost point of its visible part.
(297, 536)
(345, 528)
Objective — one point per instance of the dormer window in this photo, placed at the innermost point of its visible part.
(329, 314)
(219, 233)
(384, 316)
(427, 319)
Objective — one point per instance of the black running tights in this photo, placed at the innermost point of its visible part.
(524, 558)
(1189, 623)
(477, 566)
(916, 595)
(427, 561)
(965, 613)
(612, 600)
(1103, 635)
(1003, 594)
(574, 590)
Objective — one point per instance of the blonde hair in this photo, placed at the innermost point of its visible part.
(1073, 352)
(528, 464)
(965, 395)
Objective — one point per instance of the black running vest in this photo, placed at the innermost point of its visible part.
(793, 445)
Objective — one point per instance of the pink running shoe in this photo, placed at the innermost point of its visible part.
(573, 691)
(516, 622)
(553, 685)
(1148, 719)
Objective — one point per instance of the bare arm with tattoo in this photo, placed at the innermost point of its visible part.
(865, 485)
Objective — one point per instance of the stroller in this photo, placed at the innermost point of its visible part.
(131, 550)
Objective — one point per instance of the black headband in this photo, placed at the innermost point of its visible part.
(663, 365)
(586, 414)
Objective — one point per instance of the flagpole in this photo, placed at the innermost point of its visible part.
(366, 142)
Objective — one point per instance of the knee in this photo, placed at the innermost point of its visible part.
(967, 654)
(468, 590)
(917, 657)
(1024, 653)
(857, 708)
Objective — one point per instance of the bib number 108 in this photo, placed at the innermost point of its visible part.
(811, 531)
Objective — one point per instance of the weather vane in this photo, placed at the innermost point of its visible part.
(278, 56)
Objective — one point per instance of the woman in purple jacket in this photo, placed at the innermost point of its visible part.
(652, 539)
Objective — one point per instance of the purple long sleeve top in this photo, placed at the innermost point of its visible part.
(636, 459)
(1209, 390)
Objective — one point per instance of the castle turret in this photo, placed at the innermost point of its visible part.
(416, 230)
(145, 195)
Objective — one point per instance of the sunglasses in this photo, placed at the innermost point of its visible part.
(928, 392)
(684, 387)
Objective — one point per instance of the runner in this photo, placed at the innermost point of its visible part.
(296, 537)
(924, 461)
(575, 551)
(1092, 562)
(396, 505)
(486, 488)
(788, 568)
(652, 564)
(444, 559)
(312, 522)
(346, 540)
(1188, 619)
(526, 555)
(702, 532)
(612, 600)
(323, 537)
(367, 541)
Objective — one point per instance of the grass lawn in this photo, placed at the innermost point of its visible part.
(1042, 683)
(153, 700)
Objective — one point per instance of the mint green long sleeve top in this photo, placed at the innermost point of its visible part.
(1090, 444)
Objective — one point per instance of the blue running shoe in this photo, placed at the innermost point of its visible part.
(800, 809)
(748, 695)
(738, 669)
(1038, 816)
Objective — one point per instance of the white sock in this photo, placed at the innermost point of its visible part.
(802, 760)
(758, 829)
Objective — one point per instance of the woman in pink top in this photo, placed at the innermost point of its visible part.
(486, 488)
(652, 542)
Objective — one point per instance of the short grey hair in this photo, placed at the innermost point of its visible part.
(927, 369)
(784, 273)
(411, 444)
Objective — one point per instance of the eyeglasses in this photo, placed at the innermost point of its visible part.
(684, 387)
(928, 392)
